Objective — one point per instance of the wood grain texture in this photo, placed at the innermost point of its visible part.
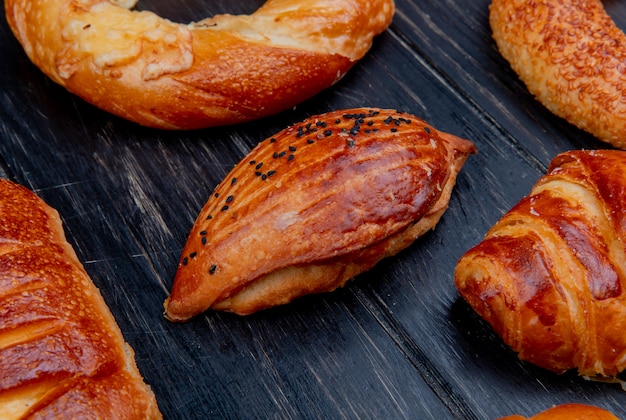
(399, 342)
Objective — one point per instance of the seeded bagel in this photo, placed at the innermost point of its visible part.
(571, 56)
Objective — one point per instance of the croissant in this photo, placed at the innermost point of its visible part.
(549, 276)
(569, 412)
(62, 354)
(314, 206)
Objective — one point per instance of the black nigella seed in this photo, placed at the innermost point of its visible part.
(203, 240)
(259, 165)
(229, 198)
(185, 261)
(337, 121)
(290, 157)
(234, 181)
(209, 217)
(292, 148)
(328, 133)
(252, 162)
(216, 195)
(275, 155)
(388, 120)
(310, 141)
(263, 177)
(270, 173)
(272, 140)
(368, 131)
(350, 143)
(258, 173)
(212, 269)
(370, 123)
(224, 208)
(203, 232)
(427, 129)
(321, 124)
(193, 255)
(393, 130)
(281, 154)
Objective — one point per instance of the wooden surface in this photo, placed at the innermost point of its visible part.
(397, 342)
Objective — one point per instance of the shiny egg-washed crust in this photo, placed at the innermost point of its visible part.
(220, 70)
(314, 206)
(550, 275)
(571, 56)
(569, 412)
(62, 354)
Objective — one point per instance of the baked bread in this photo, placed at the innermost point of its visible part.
(221, 70)
(62, 354)
(570, 54)
(314, 206)
(569, 412)
(550, 275)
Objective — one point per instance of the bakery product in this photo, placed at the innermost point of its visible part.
(217, 71)
(569, 412)
(570, 55)
(314, 206)
(62, 354)
(550, 275)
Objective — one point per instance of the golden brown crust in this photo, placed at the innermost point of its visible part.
(569, 412)
(220, 70)
(314, 206)
(570, 55)
(550, 274)
(61, 350)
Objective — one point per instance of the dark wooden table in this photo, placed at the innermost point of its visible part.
(397, 342)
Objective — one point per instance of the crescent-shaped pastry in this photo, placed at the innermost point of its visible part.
(550, 275)
(62, 354)
(217, 71)
(571, 56)
(314, 206)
